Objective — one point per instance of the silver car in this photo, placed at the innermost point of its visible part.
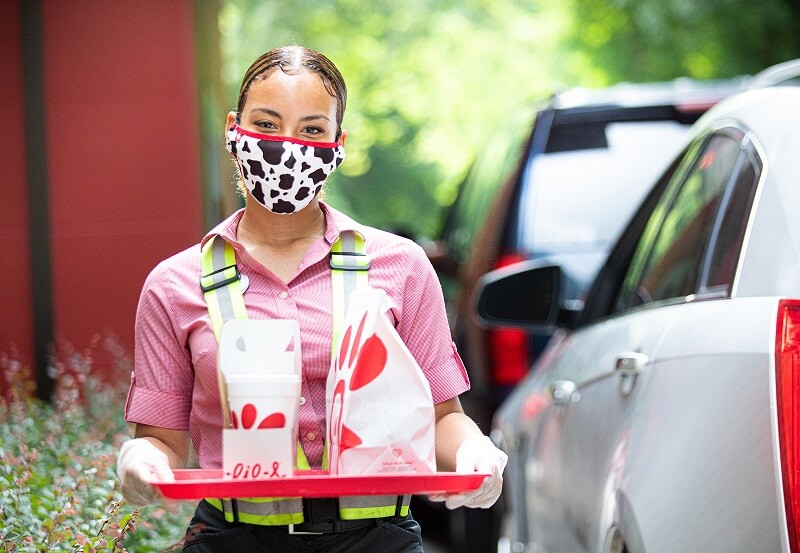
(665, 415)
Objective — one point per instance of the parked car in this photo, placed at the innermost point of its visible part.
(786, 73)
(663, 416)
(560, 182)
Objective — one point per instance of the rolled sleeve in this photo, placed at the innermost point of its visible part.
(158, 408)
(449, 379)
(163, 380)
(424, 328)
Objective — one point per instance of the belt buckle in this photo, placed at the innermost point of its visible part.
(294, 532)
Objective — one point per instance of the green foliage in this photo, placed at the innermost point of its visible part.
(645, 40)
(58, 488)
(430, 80)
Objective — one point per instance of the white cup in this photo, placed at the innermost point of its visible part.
(263, 401)
(261, 441)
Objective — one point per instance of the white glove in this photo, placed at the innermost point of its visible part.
(477, 454)
(138, 464)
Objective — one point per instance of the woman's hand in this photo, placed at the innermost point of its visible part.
(150, 457)
(477, 454)
(461, 445)
(139, 463)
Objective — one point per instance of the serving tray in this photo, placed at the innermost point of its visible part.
(200, 483)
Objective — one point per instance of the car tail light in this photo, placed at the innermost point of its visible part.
(508, 347)
(787, 367)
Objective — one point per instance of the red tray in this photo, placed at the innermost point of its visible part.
(199, 483)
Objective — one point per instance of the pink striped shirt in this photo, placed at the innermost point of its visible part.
(174, 383)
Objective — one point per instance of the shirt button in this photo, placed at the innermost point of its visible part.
(311, 436)
(284, 295)
(302, 400)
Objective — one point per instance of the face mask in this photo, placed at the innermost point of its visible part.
(283, 174)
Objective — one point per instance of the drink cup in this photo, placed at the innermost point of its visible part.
(263, 401)
(261, 441)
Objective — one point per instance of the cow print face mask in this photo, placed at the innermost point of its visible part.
(283, 174)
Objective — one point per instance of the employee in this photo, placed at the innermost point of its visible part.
(292, 99)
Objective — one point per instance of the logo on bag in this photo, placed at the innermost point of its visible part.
(240, 345)
(363, 361)
(249, 416)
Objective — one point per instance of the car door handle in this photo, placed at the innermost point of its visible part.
(631, 363)
(563, 392)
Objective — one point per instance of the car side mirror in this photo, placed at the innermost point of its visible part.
(525, 295)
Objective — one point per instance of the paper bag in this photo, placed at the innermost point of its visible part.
(259, 376)
(379, 408)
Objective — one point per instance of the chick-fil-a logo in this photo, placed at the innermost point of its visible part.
(358, 363)
(246, 420)
(249, 416)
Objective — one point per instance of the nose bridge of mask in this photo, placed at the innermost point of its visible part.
(282, 174)
(237, 131)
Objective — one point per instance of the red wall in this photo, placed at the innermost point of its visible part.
(16, 329)
(123, 154)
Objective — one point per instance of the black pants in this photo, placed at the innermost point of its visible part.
(209, 532)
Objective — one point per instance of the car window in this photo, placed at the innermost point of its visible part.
(492, 167)
(579, 200)
(728, 235)
(701, 211)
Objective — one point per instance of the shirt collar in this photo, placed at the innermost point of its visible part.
(335, 223)
(226, 229)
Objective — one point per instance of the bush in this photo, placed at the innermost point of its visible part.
(58, 486)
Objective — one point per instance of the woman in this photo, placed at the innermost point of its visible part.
(291, 99)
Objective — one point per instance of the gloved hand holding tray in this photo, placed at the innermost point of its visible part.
(200, 483)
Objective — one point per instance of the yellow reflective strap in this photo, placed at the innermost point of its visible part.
(217, 503)
(349, 271)
(337, 282)
(221, 284)
(372, 506)
(302, 460)
(349, 252)
(357, 513)
(270, 520)
(224, 298)
(267, 511)
(214, 312)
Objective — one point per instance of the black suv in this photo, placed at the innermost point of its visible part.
(560, 190)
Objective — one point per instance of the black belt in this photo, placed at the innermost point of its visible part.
(321, 516)
(330, 527)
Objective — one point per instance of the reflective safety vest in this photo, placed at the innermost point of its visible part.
(222, 287)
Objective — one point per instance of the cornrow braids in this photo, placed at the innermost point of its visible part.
(291, 60)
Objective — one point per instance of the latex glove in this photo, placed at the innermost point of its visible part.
(139, 463)
(477, 454)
